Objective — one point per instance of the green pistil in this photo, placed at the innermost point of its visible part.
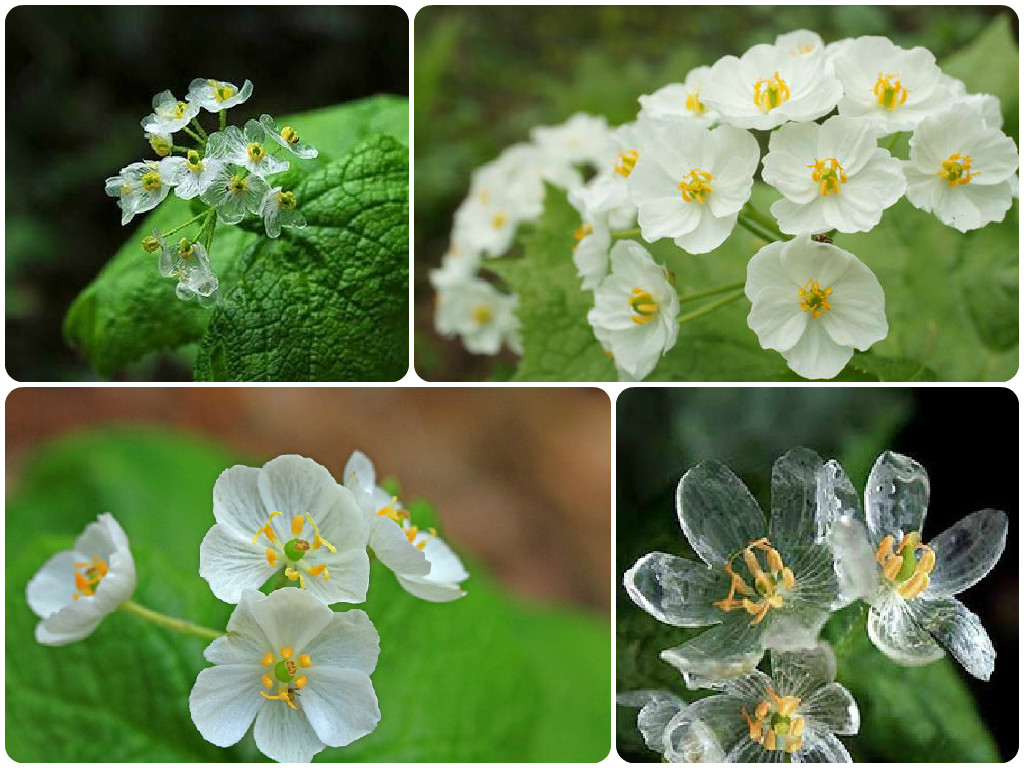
(285, 671)
(296, 549)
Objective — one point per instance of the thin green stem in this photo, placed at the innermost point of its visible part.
(180, 227)
(178, 148)
(169, 622)
(223, 119)
(206, 233)
(710, 292)
(755, 229)
(710, 307)
(199, 128)
(198, 139)
(626, 233)
(767, 222)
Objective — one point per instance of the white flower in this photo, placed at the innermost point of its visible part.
(910, 585)
(690, 183)
(582, 138)
(832, 176)
(593, 241)
(288, 138)
(608, 191)
(892, 87)
(486, 222)
(233, 194)
(458, 265)
(215, 95)
(280, 209)
(140, 187)
(961, 169)
(291, 516)
(189, 263)
(191, 175)
(78, 587)
(635, 310)
(245, 148)
(169, 114)
(483, 316)
(768, 86)
(814, 303)
(425, 566)
(297, 668)
(800, 42)
(680, 100)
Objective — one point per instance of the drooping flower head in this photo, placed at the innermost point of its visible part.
(297, 668)
(288, 138)
(280, 208)
(140, 187)
(215, 95)
(76, 588)
(762, 585)
(290, 517)
(169, 115)
(188, 262)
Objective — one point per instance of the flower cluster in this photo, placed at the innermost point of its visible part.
(288, 665)
(685, 169)
(226, 170)
(768, 588)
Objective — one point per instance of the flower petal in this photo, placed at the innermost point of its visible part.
(966, 552)
(295, 485)
(959, 631)
(71, 623)
(284, 734)
(237, 502)
(896, 496)
(893, 630)
(657, 708)
(717, 512)
(800, 673)
(418, 586)
(245, 641)
(856, 566)
(794, 498)
(731, 648)
(350, 576)
(816, 355)
(675, 590)
(393, 548)
(746, 750)
(349, 641)
(224, 701)
(289, 617)
(232, 563)
(340, 704)
(820, 746)
(686, 738)
(359, 471)
(834, 708)
(53, 585)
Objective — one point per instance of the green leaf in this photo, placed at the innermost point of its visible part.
(327, 302)
(878, 368)
(456, 682)
(129, 310)
(989, 65)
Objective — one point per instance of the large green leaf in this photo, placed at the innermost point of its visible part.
(479, 679)
(129, 311)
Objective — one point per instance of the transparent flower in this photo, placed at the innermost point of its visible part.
(769, 86)
(484, 317)
(169, 115)
(425, 566)
(245, 148)
(961, 169)
(657, 708)
(234, 194)
(76, 588)
(189, 263)
(215, 95)
(161, 143)
(635, 310)
(289, 516)
(582, 138)
(690, 183)
(680, 100)
(297, 668)
(891, 87)
(280, 209)
(190, 175)
(909, 584)
(288, 138)
(140, 187)
(831, 176)
(763, 585)
(792, 715)
(814, 303)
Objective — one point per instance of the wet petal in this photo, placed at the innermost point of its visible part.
(657, 708)
(749, 751)
(966, 552)
(687, 739)
(959, 631)
(856, 566)
(677, 591)
(795, 497)
(732, 648)
(896, 497)
(801, 673)
(834, 708)
(820, 746)
(895, 633)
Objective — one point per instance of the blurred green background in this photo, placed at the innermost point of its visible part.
(79, 80)
(935, 713)
(485, 75)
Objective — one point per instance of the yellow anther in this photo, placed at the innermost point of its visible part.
(626, 162)
(298, 522)
(770, 93)
(266, 530)
(151, 181)
(238, 184)
(292, 575)
(318, 539)
(696, 186)
(784, 705)
(774, 560)
(305, 661)
(481, 315)
(788, 579)
(267, 681)
(287, 200)
(83, 584)
(290, 135)
(914, 586)
(271, 557)
(769, 739)
(193, 161)
(754, 726)
(762, 710)
(884, 551)
(892, 567)
(927, 562)
(287, 653)
(801, 49)
(814, 298)
(829, 174)
(254, 150)
(582, 232)
(410, 533)
(957, 170)
(499, 221)
(316, 570)
(643, 305)
(267, 660)
(759, 601)
(287, 695)
(889, 92)
(300, 682)
(693, 103)
(422, 545)
(909, 540)
(393, 511)
(221, 91)
(754, 567)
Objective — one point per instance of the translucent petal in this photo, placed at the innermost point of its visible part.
(224, 701)
(794, 498)
(896, 497)
(836, 497)
(749, 689)
(677, 591)
(654, 716)
(960, 631)
(729, 649)
(717, 512)
(722, 714)
(856, 567)
(895, 633)
(966, 552)
(747, 750)
(800, 673)
(833, 708)
(816, 582)
(687, 739)
(820, 746)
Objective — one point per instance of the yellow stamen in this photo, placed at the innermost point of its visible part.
(255, 152)
(287, 653)
(300, 681)
(287, 695)
(422, 545)
(305, 661)
(267, 681)
(316, 570)
(957, 170)
(643, 305)
(318, 539)
(693, 103)
(266, 530)
(499, 221)
(267, 660)
(626, 162)
(814, 299)
(392, 511)
(298, 522)
(287, 201)
(292, 575)
(271, 557)
(221, 91)
(290, 135)
(892, 567)
(914, 586)
(481, 315)
(889, 95)
(696, 186)
(884, 551)
(829, 174)
(151, 181)
(770, 93)
(582, 232)
(765, 594)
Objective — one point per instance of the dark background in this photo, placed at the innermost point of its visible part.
(485, 75)
(966, 438)
(79, 80)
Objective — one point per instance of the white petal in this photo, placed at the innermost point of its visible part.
(896, 496)
(237, 502)
(833, 707)
(445, 565)
(349, 641)
(686, 739)
(224, 701)
(359, 471)
(340, 704)
(776, 318)
(290, 617)
(856, 566)
(390, 544)
(349, 571)
(284, 734)
(53, 585)
(675, 590)
(960, 631)
(894, 632)
(71, 623)
(231, 563)
(435, 593)
(295, 485)
(245, 641)
(816, 355)
(966, 552)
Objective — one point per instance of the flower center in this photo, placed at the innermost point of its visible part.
(584, 231)
(180, 108)
(284, 673)
(693, 103)
(775, 724)
(770, 93)
(401, 516)
(695, 186)
(498, 221)
(889, 92)
(801, 49)
(295, 549)
(643, 306)
(814, 298)
(255, 151)
(957, 170)
(829, 174)
(287, 200)
(221, 91)
(626, 162)
(193, 161)
(290, 135)
(185, 249)
(903, 567)
(765, 593)
(88, 575)
(481, 315)
(237, 184)
(151, 181)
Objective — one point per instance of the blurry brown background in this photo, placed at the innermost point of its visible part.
(519, 477)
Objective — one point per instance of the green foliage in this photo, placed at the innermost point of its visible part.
(481, 677)
(129, 311)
